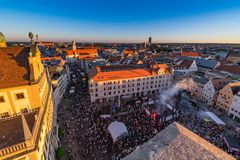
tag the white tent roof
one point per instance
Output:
(215, 118)
(117, 129)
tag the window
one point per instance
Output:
(96, 95)
(2, 99)
(24, 110)
(96, 89)
(5, 114)
(96, 84)
(20, 96)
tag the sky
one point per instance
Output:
(183, 21)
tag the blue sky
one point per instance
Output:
(122, 20)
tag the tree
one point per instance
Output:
(60, 132)
(59, 153)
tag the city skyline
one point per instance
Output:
(135, 21)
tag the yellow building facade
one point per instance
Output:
(27, 115)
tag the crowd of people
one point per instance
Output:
(205, 128)
(86, 133)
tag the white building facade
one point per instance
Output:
(133, 85)
(60, 85)
(235, 107)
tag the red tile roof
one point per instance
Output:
(98, 74)
(185, 63)
(229, 68)
(83, 51)
(51, 58)
(14, 70)
(190, 54)
(219, 83)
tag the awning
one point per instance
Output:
(117, 129)
(215, 118)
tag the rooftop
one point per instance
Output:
(210, 64)
(83, 51)
(190, 54)
(201, 80)
(229, 68)
(106, 73)
(177, 143)
(11, 129)
(14, 70)
(185, 63)
(219, 83)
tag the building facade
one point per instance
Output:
(28, 127)
(226, 94)
(197, 89)
(79, 54)
(235, 107)
(115, 82)
(211, 89)
(186, 66)
(60, 82)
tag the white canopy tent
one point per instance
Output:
(215, 118)
(117, 129)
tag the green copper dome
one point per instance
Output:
(2, 38)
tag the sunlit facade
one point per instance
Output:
(28, 127)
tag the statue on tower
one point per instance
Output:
(30, 35)
(37, 38)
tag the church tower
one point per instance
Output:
(3, 43)
(150, 41)
(36, 66)
(74, 47)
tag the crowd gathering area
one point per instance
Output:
(89, 135)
